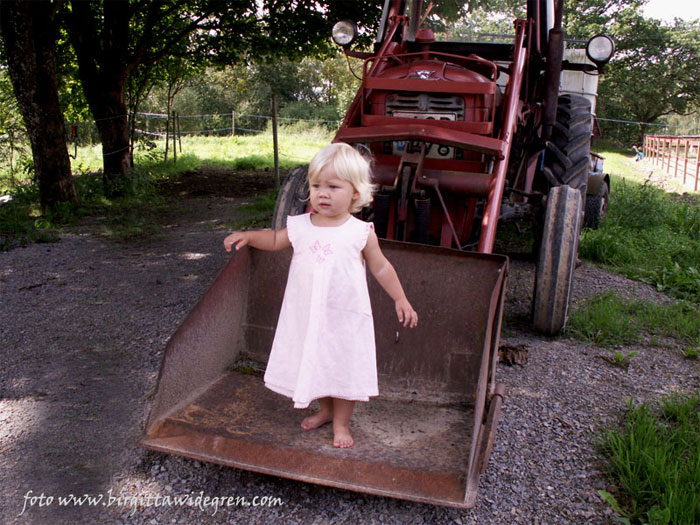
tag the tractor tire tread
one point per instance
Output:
(292, 198)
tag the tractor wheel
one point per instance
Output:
(567, 155)
(292, 198)
(596, 207)
(557, 259)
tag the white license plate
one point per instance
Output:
(434, 151)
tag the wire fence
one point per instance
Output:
(676, 155)
(217, 124)
(173, 127)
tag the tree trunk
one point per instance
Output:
(29, 34)
(102, 64)
(113, 127)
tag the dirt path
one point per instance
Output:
(83, 324)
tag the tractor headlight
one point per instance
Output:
(344, 32)
(600, 49)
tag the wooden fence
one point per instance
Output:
(677, 156)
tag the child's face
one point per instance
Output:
(330, 196)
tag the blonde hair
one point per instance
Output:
(348, 165)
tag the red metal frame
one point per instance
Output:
(511, 107)
(447, 176)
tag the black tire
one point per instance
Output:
(596, 207)
(293, 197)
(557, 260)
(567, 155)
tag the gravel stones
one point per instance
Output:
(83, 323)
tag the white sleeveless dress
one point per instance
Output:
(324, 342)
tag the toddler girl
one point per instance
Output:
(324, 344)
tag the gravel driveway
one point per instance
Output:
(83, 323)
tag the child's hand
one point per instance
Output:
(406, 314)
(237, 239)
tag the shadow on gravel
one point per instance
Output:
(81, 343)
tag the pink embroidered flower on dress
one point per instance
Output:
(319, 251)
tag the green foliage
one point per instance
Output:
(21, 221)
(654, 459)
(476, 21)
(647, 49)
(654, 72)
(586, 18)
(13, 136)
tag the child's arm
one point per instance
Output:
(268, 240)
(385, 274)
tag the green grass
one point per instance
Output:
(621, 359)
(619, 160)
(135, 214)
(649, 235)
(297, 144)
(257, 213)
(654, 458)
(608, 320)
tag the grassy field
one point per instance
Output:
(649, 234)
(243, 152)
(22, 220)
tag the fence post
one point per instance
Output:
(645, 146)
(179, 135)
(677, 157)
(663, 153)
(274, 140)
(233, 123)
(657, 147)
(174, 138)
(697, 165)
(685, 160)
(167, 137)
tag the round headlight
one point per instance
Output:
(600, 49)
(344, 32)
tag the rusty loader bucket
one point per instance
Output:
(426, 438)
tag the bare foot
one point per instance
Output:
(317, 420)
(342, 437)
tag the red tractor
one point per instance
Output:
(465, 135)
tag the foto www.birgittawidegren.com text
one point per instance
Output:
(208, 504)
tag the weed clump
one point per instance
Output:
(654, 461)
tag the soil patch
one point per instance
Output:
(216, 181)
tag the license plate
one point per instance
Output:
(434, 151)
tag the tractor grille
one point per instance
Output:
(424, 103)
